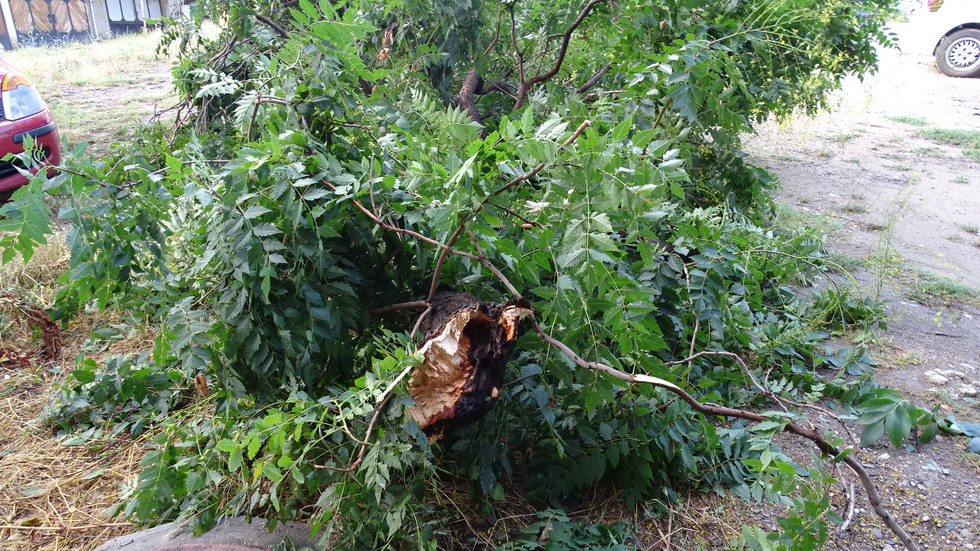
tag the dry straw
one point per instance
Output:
(52, 496)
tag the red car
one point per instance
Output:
(23, 113)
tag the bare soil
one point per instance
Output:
(106, 111)
(898, 207)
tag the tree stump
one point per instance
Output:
(466, 349)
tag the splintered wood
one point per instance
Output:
(466, 350)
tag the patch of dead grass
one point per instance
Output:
(52, 496)
(37, 278)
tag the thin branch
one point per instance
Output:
(850, 497)
(745, 370)
(273, 25)
(534, 172)
(496, 35)
(780, 401)
(400, 306)
(566, 38)
(697, 316)
(515, 215)
(486, 263)
(517, 51)
(384, 225)
(418, 322)
(259, 100)
(595, 79)
(367, 439)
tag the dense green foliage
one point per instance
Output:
(326, 157)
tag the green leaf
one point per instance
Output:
(265, 230)
(622, 129)
(898, 424)
(872, 433)
(254, 211)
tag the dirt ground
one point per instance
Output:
(898, 207)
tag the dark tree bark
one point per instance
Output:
(466, 98)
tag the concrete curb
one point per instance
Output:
(229, 534)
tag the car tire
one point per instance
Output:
(958, 54)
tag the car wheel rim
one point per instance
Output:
(964, 54)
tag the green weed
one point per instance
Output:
(969, 140)
(932, 289)
(930, 151)
(913, 121)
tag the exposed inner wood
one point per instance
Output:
(465, 352)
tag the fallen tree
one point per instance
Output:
(334, 167)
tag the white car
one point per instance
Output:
(950, 31)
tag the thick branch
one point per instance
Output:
(525, 86)
(465, 99)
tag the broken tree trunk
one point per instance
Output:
(466, 349)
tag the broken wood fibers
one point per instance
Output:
(466, 349)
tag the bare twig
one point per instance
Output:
(850, 497)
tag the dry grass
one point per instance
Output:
(86, 63)
(52, 496)
(37, 278)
